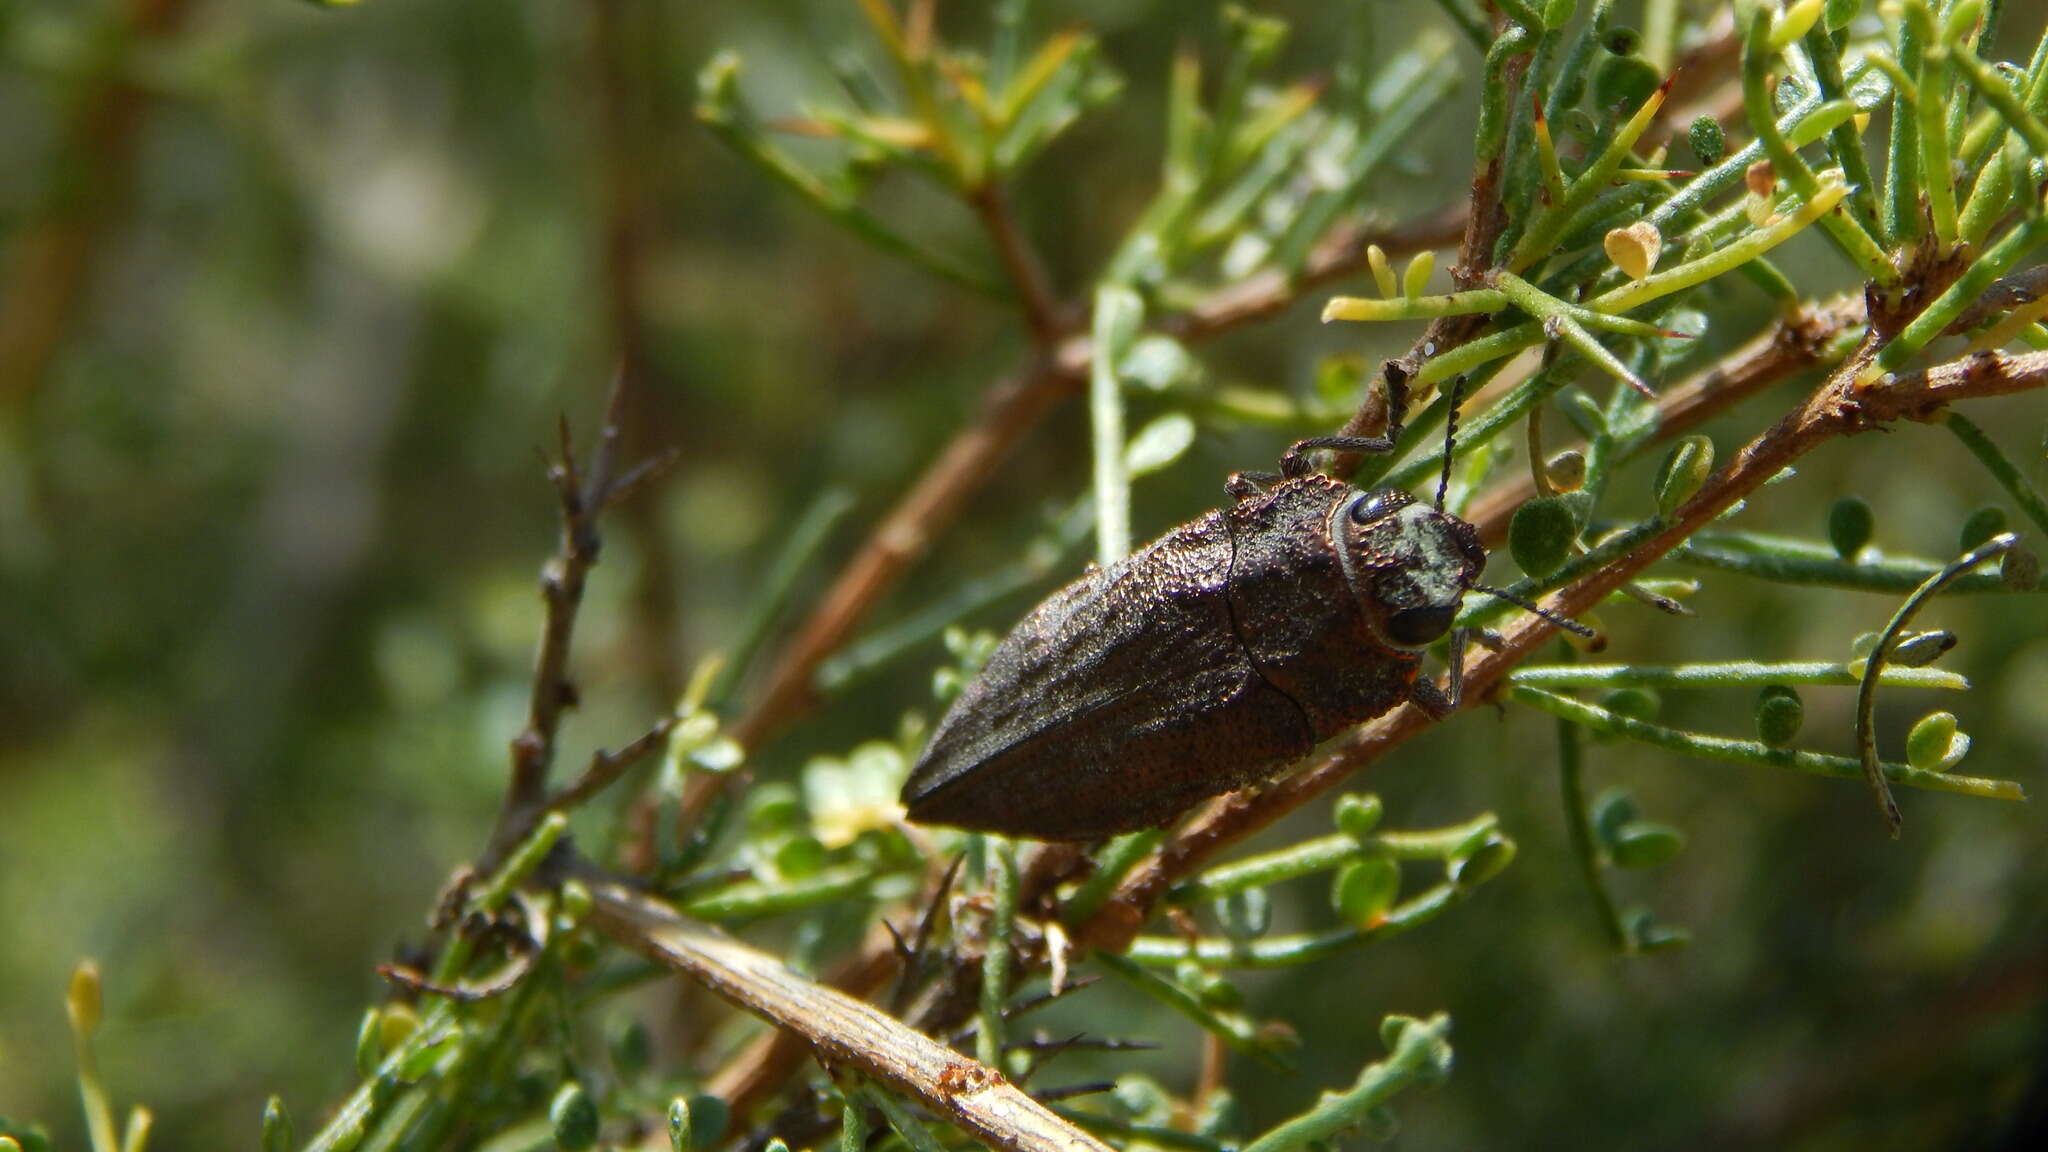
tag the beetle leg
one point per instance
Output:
(1242, 486)
(1293, 463)
(1441, 702)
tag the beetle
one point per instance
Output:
(1209, 659)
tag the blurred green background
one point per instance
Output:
(293, 300)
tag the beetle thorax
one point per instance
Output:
(1407, 564)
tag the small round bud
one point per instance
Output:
(1646, 935)
(396, 1023)
(1566, 471)
(1213, 989)
(680, 1138)
(1632, 703)
(1980, 526)
(574, 1116)
(773, 808)
(632, 1047)
(1935, 744)
(576, 901)
(1358, 815)
(1612, 809)
(277, 1126)
(1645, 844)
(1365, 889)
(1489, 861)
(1779, 714)
(1540, 535)
(84, 1000)
(1635, 249)
(369, 1043)
(709, 1118)
(1622, 40)
(1246, 915)
(1850, 524)
(800, 856)
(1685, 471)
(1919, 649)
(1794, 22)
(1707, 140)
(1624, 81)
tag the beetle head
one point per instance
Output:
(1407, 563)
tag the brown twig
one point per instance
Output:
(844, 1031)
(1043, 313)
(583, 495)
(605, 767)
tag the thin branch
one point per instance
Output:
(605, 767)
(844, 1031)
(1043, 312)
(583, 495)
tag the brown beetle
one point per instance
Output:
(1211, 658)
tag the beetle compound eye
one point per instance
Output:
(1373, 505)
(1415, 627)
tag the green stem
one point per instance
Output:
(1232, 1028)
(1421, 1056)
(1118, 857)
(1301, 948)
(1327, 852)
(1848, 235)
(1866, 692)
(1752, 752)
(751, 900)
(1578, 822)
(1364, 308)
(1798, 562)
(1995, 262)
(995, 957)
(1735, 674)
(2002, 469)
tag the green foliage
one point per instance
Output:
(274, 483)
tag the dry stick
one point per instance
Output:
(1012, 410)
(583, 497)
(758, 1070)
(1833, 411)
(1041, 306)
(846, 1032)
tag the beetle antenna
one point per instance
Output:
(1572, 626)
(1443, 484)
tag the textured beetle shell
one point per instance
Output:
(1224, 650)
